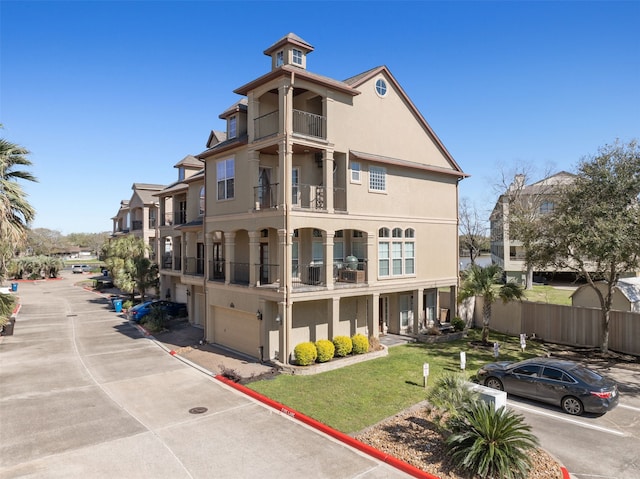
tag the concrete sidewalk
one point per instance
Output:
(85, 394)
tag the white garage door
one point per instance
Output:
(237, 330)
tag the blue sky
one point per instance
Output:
(106, 94)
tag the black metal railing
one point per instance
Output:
(179, 217)
(193, 266)
(216, 270)
(267, 273)
(266, 125)
(309, 124)
(239, 273)
(265, 196)
(309, 274)
(167, 219)
(136, 225)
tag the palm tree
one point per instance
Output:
(484, 282)
(15, 211)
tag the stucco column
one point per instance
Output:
(327, 179)
(334, 317)
(229, 254)
(374, 312)
(254, 244)
(371, 264)
(254, 173)
(453, 301)
(418, 310)
(328, 258)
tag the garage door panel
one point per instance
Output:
(237, 330)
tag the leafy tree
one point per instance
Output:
(472, 230)
(7, 305)
(131, 269)
(491, 443)
(594, 230)
(484, 282)
(449, 396)
(521, 206)
(15, 211)
(45, 241)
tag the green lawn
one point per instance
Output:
(354, 397)
(549, 294)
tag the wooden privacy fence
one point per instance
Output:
(557, 324)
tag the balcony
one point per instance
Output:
(313, 197)
(136, 225)
(179, 217)
(308, 275)
(267, 274)
(309, 124)
(193, 267)
(265, 196)
(167, 261)
(239, 273)
(167, 219)
(304, 123)
(350, 272)
(216, 270)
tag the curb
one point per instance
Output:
(293, 414)
(350, 441)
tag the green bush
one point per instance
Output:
(306, 353)
(360, 343)
(491, 443)
(449, 397)
(325, 349)
(343, 346)
(156, 320)
(128, 304)
(458, 324)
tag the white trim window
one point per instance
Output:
(297, 57)
(396, 252)
(201, 210)
(225, 177)
(377, 178)
(354, 166)
(232, 127)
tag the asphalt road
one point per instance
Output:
(592, 446)
(84, 394)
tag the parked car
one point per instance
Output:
(571, 386)
(173, 309)
(80, 268)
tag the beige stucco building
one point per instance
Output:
(330, 209)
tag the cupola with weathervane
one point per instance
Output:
(289, 50)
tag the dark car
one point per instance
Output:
(173, 309)
(573, 387)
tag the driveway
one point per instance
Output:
(85, 394)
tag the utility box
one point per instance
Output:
(489, 395)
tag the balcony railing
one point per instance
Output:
(136, 225)
(216, 270)
(266, 125)
(308, 274)
(167, 261)
(313, 197)
(179, 217)
(267, 273)
(309, 124)
(304, 123)
(177, 263)
(152, 223)
(193, 266)
(265, 196)
(239, 273)
(167, 219)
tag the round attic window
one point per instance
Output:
(381, 87)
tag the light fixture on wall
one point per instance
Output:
(259, 315)
(232, 305)
(278, 318)
(188, 292)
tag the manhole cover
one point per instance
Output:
(197, 410)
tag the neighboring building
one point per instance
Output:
(507, 251)
(139, 216)
(181, 238)
(331, 209)
(625, 297)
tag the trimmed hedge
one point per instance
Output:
(306, 353)
(360, 343)
(343, 346)
(325, 349)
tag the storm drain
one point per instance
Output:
(198, 410)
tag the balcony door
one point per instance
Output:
(295, 186)
(264, 188)
(264, 263)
